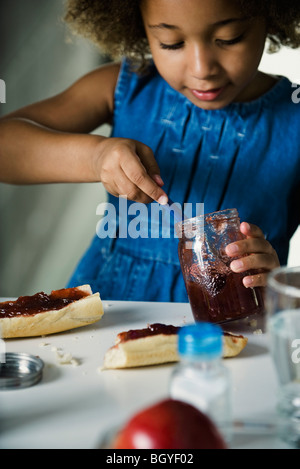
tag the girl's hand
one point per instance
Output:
(256, 254)
(127, 168)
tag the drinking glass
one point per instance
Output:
(283, 324)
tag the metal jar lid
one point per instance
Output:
(20, 370)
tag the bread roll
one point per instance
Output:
(22, 318)
(157, 345)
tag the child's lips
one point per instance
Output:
(209, 95)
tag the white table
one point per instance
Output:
(73, 406)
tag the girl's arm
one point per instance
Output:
(50, 141)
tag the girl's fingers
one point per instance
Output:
(253, 262)
(258, 280)
(148, 161)
(139, 172)
(122, 186)
(128, 168)
(157, 178)
(250, 230)
(254, 254)
(249, 246)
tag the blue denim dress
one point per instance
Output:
(245, 156)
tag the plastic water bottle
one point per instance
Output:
(200, 378)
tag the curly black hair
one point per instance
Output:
(116, 26)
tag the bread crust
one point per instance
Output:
(152, 350)
(159, 349)
(233, 344)
(82, 312)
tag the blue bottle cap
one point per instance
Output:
(200, 339)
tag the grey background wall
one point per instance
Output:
(45, 229)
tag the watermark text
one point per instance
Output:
(296, 353)
(2, 351)
(296, 93)
(2, 92)
(137, 220)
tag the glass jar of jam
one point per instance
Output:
(216, 293)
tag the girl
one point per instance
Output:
(192, 119)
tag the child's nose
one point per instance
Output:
(202, 63)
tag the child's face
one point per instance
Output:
(205, 49)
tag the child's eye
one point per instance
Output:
(230, 42)
(176, 46)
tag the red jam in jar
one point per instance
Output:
(216, 294)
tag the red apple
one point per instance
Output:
(169, 424)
